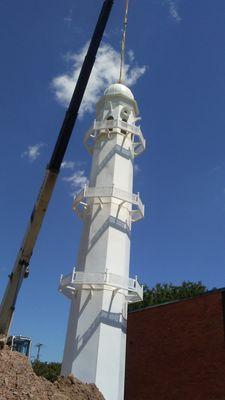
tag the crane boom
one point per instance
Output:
(21, 266)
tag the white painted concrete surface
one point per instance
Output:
(96, 334)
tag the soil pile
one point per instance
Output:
(19, 382)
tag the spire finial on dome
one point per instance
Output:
(123, 42)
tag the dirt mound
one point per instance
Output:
(19, 382)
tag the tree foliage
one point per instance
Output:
(50, 371)
(166, 292)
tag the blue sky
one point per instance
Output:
(176, 58)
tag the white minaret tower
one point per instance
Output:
(99, 287)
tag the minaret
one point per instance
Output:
(99, 287)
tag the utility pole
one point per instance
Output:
(39, 345)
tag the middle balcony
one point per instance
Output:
(104, 195)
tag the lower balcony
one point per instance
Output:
(69, 284)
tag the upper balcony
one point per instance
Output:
(113, 127)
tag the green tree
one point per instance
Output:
(166, 292)
(50, 371)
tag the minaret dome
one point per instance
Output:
(115, 98)
(119, 89)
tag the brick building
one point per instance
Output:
(176, 351)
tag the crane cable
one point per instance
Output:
(123, 42)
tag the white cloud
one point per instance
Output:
(173, 10)
(68, 17)
(33, 151)
(131, 56)
(137, 169)
(105, 72)
(68, 165)
(77, 181)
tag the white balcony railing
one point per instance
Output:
(102, 194)
(116, 126)
(69, 284)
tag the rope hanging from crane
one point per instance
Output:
(123, 42)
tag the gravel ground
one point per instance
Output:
(19, 382)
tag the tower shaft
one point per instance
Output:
(99, 287)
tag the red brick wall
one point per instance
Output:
(176, 351)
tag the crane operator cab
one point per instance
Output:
(20, 343)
